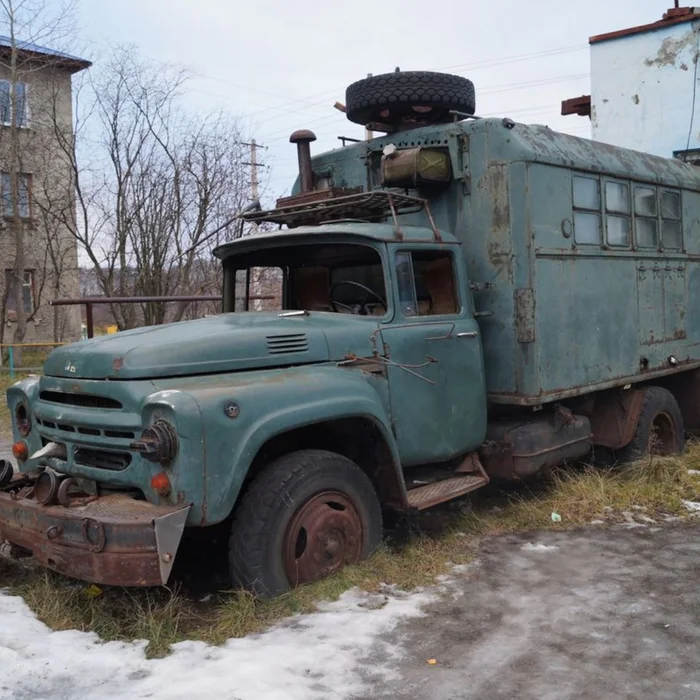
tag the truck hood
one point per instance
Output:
(223, 343)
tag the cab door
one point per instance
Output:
(434, 360)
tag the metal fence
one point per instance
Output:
(32, 355)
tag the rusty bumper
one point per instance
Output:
(113, 540)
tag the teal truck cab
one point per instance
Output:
(457, 300)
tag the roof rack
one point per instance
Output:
(373, 206)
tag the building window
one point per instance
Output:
(617, 214)
(586, 210)
(671, 232)
(646, 217)
(20, 103)
(27, 292)
(24, 195)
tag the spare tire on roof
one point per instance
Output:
(413, 97)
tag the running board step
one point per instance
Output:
(440, 491)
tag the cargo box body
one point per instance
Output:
(561, 316)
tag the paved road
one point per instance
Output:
(591, 615)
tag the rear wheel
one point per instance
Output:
(659, 427)
(304, 517)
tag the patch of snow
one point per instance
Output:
(694, 471)
(597, 522)
(646, 519)
(692, 506)
(630, 521)
(463, 568)
(539, 547)
(308, 657)
(636, 507)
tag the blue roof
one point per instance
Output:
(29, 47)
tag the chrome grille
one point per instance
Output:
(83, 400)
(119, 434)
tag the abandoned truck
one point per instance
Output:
(459, 299)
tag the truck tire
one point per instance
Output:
(302, 518)
(659, 428)
(414, 96)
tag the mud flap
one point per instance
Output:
(169, 529)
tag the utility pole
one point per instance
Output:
(254, 165)
(254, 283)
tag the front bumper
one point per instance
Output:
(113, 540)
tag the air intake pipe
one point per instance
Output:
(303, 139)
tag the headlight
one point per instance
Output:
(23, 419)
(158, 442)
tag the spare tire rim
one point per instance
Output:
(322, 536)
(662, 436)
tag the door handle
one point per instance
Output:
(468, 334)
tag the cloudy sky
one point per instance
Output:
(280, 66)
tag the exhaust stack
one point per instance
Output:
(303, 139)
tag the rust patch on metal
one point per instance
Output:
(614, 418)
(109, 541)
(525, 315)
(324, 534)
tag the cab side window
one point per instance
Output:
(427, 284)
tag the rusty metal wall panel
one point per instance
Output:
(525, 315)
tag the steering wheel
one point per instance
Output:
(362, 310)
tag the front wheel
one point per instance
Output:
(302, 518)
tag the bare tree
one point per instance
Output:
(157, 183)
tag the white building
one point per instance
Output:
(644, 86)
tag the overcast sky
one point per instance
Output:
(280, 66)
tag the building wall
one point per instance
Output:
(642, 90)
(51, 250)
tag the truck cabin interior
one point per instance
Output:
(341, 278)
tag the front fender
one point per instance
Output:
(274, 402)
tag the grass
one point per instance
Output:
(414, 556)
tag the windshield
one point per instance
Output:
(338, 278)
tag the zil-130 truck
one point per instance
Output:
(461, 299)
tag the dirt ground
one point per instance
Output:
(589, 615)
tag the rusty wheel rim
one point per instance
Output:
(322, 536)
(662, 436)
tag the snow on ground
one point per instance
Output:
(317, 656)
